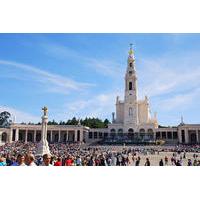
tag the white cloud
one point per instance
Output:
(169, 74)
(180, 101)
(51, 82)
(20, 116)
(100, 106)
(104, 67)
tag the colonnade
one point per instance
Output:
(54, 135)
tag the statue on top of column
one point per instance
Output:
(45, 109)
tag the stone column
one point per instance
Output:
(43, 147)
(17, 134)
(9, 137)
(66, 136)
(75, 136)
(197, 136)
(26, 134)
(34, 136)
(179, 136)
(51, 136)
(81, 135)
(186, 136)
(59, 136)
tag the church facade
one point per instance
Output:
(132, 118)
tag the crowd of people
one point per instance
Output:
(24, 154)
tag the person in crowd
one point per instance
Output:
(178, 163)
(46, 160)
(69, 161)
(30, 160)
(147, 163)
(58, 162)
(78, 161)
(189, 162)
(137, 163)
(161, 163)
(20, 160)
(8, 160)
(2, 161)
(166, 160)
(195, 162)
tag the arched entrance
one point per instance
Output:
(150, 134)
(142, 133)
(120, 132)
(130, 133)
(142, 130)
(4, 137)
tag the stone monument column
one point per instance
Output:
(43, 146)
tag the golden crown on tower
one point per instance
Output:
(131, 52)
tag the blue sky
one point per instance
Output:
(81, 74)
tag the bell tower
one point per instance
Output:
(130, 99)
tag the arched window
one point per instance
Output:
(131, 64)
(142, 130)
(130, 111)
(130, 86)
(112, 133)
(130, 130)
(130, 133)
(120, 132)
(112, 130)
(4, 137)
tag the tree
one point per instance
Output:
(5, 118)
(72, 121)
(52, 122)
(106, 122)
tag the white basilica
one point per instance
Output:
(132, 119)
(132, 115)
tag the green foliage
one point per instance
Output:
(52, 122)
(90, 122)
(95, 123)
